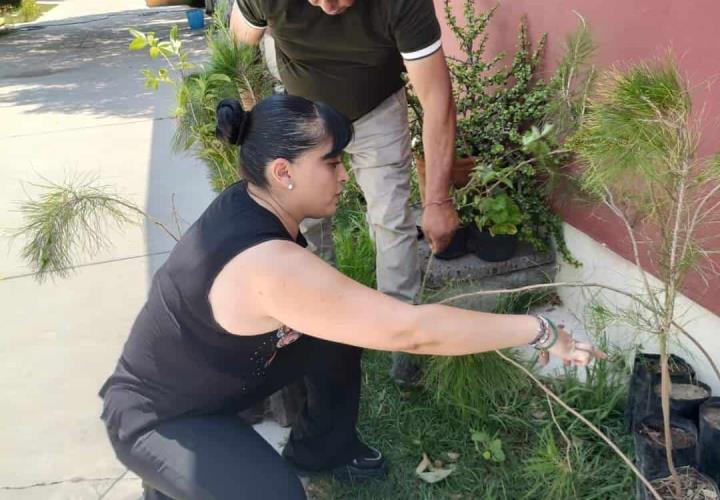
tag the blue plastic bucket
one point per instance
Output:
(196, 18)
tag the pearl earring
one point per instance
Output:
(290, 186)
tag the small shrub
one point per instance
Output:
(29, 10)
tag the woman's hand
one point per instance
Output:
(571, 351)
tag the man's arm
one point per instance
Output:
(431, 80)
(244, 32)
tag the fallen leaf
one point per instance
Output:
(424, 464)
(431, 476)
(435, 475)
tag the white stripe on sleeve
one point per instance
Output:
(419, 54)
(254, 26)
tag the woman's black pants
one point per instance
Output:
(219, 457)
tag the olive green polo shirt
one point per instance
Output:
(352, 61)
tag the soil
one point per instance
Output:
(685, 392)
(712, 416)
(653, 366)
(680, 438)
(694, 485)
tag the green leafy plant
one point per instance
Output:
(485, 201)
(489, 447)
(233, 70)
(171, 50)
(637, 149)
(499, 214)
(29, 10)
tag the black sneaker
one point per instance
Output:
(368, 464)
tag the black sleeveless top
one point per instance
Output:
(178, 360)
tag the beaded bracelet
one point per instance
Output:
(547, 334)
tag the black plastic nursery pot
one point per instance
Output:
(458, 246)
(494, 248)
(686, 396)
(709, 438)
(650, 445)
(640, 397)
(694, 484)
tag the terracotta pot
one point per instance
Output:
(459, 174)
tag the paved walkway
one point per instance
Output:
(72, 102)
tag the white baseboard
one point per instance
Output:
(602, 265)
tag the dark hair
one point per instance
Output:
(281, 126)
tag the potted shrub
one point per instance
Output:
(497, 105)
(638, 127)
(497, 222)
(489, 217)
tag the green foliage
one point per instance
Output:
(634, 130)
(481, 384)
(573, 465)
(548, 472)
(233, 70)
(499, 214)
(497, 106)
(355, 251)
(571, 82)
(637, 145)
(171, 50)
(354, 248)
(473, 385)
(29, 10)
(67, 220)
(485, 201)
(489, 447)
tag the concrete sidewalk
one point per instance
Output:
(72, 101)
(70, 9)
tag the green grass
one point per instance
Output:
(439, 417)
(405, 424)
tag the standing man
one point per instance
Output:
(351, 54)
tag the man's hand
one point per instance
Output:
(439, 223)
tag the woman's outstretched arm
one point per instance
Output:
(283, 281)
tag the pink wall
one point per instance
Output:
(626, 31)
